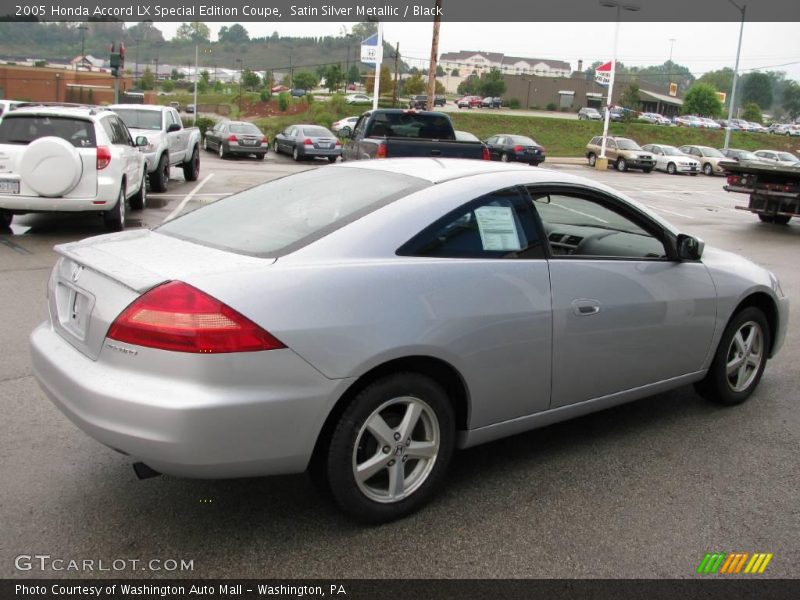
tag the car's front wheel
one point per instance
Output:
(390, 448)
(159, 179)
(708, 169)
(592, 160)
(622, 165)
(672, 169)
(740, 359)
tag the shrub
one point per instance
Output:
(204, 124)
(283, 101)
(324, 118)
(551, 106)
(265, 95)
(514, 103)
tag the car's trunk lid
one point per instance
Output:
(96, 279)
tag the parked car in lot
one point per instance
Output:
(786, 159)
(469, 102)
(358, 99)
(622, 154)
(492, 102)
(671, 160)
(421, 102)
(190, 109)
(737, 154)
(588, 113)
(298, 92)
(345, 126)
(688, 121)
(709, 158)
(515, 148)
(307, 141)
(61, 158)
(353, 320)
(169, 142)
(236, 137)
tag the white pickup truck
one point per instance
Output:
(169, 142)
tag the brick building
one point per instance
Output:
(42, 84)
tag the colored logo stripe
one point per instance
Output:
(711, 563)
(733, 563)
(758, 563)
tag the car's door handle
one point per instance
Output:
(585, 307)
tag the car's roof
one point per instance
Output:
(438, 170)
(154, 107)
(85, 112)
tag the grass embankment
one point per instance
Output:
(566, 137)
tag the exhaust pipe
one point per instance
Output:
(143, 471)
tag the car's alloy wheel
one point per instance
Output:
(740, 359)
(295, 154)
(275, 147)
(622, 166)
(671, 169)
(504, 157)
(708, 169)
(222, 153)
(390, 448)
(592, 160)
(191, 169)
(115, 218)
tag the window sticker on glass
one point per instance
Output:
(497, 228)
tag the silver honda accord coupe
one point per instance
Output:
(361, 321)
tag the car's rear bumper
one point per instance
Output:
(319, 151)
(236, 149)
(106, 199)
(207, 416)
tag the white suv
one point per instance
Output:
(69, 158)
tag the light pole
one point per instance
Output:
(732, 104)
(671, 44)
(82, 29)
(241, 67)
(603, 163)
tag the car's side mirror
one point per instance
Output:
(690, 248)
(141, 141)
(173, 127)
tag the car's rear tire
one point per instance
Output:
(622, 165)
(222, 153)
(592, 159)
(261, 156)
(781, 219)
(740, 359)
(504, 157)
(275, 147)
(114, 219)
(205, 145)
(191, 169)
(708, 169)
(139, 200)
(332, 159)
(390, 449)
(159, 179)
(296, 154)
(6, 216)
(672, 169)
(766, 218)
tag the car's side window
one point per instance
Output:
(584, 226)
(497, 225)
(611, 144)
(361, 126)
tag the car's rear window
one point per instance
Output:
(245, 128)
(286, 214)
(521, 139)
(24, 129)
(140, 119)
(413, 125)
(317, 132)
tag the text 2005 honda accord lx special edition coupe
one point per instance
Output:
(361, 321)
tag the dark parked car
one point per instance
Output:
(236, 137)
(738, 155)
(307, 141)
(516, 148)
(421, 102)
(298, 93)
(490, 102)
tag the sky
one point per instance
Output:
(701, 47)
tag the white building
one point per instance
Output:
(468, 61)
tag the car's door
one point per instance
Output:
(129, 155)
(177, 140)
(213, 136)
(626, 313)
(491, 144)
(492, 297)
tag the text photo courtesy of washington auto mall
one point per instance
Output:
(402, 298)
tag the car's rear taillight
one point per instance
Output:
(103, 157)
(486, 155)
(265, 140)
(518, 148)
(381, 150)
(176, 316)
(308, 142)
(233, 138)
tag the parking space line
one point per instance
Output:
(188, 197)
(671, 212)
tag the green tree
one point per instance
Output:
(250, 80)
(492, 83)
(722, 80)
(439, 88)
(196, 31)
(168, 85)
(218, 86)
(791, 99)
(701, 99)
(353, 75)
(235, 34)
(757, 87)
(752, 113)
(454, 73)
(305, 80)
(471, 85)
(145, 32)
(630, 97)
(147, 81)
(334, 75)
(414, 85)
(440, 72)
(365, 29)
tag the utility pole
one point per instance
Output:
(83, 29)
(241, 67)
(396, 72)
(732, 105)
(434, 55)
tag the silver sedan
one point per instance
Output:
(364, 320)
(672, 160)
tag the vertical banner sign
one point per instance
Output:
(372, 54)
(602, 74)
(673, 89)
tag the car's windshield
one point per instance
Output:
(788, 157)
(286, 214)
(712, 152)
(140, 119)
(671, 151)
(245, 128)
(625, 144)
(23, 129)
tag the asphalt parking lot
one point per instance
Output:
(642, 490)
